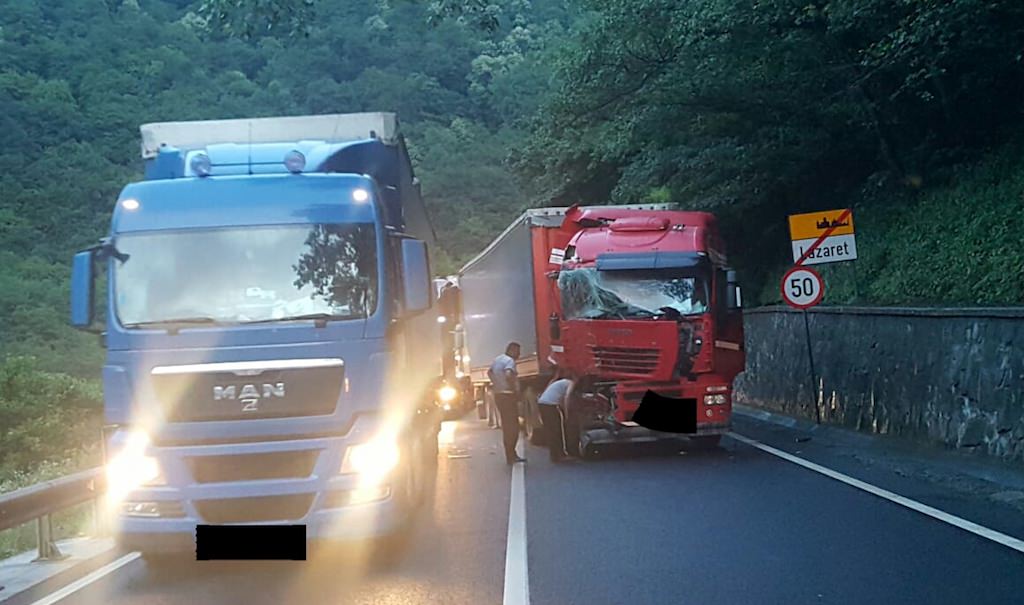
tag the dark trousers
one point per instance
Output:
(554, 433)
(508, 408)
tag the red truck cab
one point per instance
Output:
(644, 300)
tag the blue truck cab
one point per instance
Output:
(270, 331)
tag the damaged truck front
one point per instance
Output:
(646, 302)
(627, 298)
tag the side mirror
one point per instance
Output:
(415, 276)
(733, 297)
(460, 337)
(82, 285)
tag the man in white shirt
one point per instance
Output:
(549, 404)
(505, 386)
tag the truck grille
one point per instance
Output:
(255, 510)
(626, 360)
(280, 393)
(253, 467)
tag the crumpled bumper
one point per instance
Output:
(630, 432)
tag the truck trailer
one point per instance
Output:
(627, 299)
(270, 332)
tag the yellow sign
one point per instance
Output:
(814, 224)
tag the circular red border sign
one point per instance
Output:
(821, 287)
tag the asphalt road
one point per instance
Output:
(735, 525)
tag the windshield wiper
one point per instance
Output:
(325, 317)
(173, 323)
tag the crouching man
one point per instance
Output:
(549, 404)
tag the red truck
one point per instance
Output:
(627, 298)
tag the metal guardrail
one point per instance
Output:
(38, 502)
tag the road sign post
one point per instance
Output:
(802, 288)
(816, 238)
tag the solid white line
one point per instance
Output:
(924, 509)
(517, 578)
(86, 580)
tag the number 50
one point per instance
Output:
(802, 286)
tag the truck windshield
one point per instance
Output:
(250, 274)
(591, 294)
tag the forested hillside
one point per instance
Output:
(908, 110)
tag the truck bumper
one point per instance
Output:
(348, 524)
(331, 506)
(634, 433)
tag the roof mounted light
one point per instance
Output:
(360, 195)
(200, 164)
(294, 161)
(130, 204)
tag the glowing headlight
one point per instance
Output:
(131, 467)
(715, 399)
(447, 393)
(373, 459)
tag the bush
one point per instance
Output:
(49, 420)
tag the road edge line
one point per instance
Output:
(924, 509)
(87, 579)
(517, 576)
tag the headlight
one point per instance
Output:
(373, 459)
(131, 467)
(715, 399)
(447, 393)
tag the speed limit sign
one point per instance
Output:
(802, 287)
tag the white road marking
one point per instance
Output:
(517, 578)
(88, 579)
(924, 509)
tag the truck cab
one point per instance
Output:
(646, 301)
(267, 295)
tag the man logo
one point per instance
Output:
(249, 394)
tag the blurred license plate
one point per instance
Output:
(250, 542)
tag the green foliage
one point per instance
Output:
(47, 417)
(959, 241)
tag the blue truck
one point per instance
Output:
(271, 333)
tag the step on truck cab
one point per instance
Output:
(626, 298)
(270, 332)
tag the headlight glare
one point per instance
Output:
(447, 393)
(131, 467)
(373, 460)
